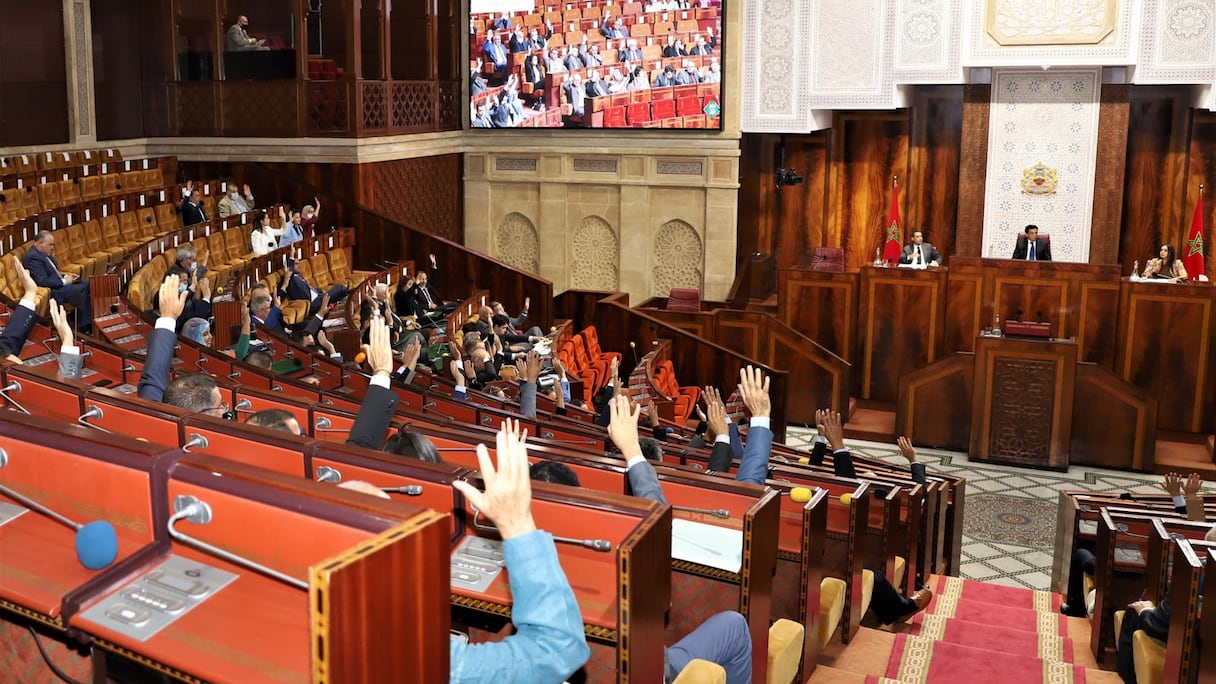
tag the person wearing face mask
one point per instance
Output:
(239, 40)
(309, 216)
(235, 202)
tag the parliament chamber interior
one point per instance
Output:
(880, 348)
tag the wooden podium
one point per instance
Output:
(1022, 401)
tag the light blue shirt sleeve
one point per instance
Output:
(549, 643)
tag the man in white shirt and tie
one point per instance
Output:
(920, 254)
(1031, 247)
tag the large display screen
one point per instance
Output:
(595, 64)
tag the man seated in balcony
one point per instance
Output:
(42, 267)
(239, 40)
(192, 206)
(423, 300)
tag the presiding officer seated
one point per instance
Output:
(40, 262)
(1167, 266)
(1031, 247)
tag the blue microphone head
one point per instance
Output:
(96, 545)
(670, 430)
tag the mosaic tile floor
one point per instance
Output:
(1010, 520)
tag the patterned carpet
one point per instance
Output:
(1010, 521)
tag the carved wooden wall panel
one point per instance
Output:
(867, 150)
(425, 192)
(1021, 429)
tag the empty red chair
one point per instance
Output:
(688, 106)
(662, 109)
(614, 117)
(639, 113)
(684, 299)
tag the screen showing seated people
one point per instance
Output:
(595, 64)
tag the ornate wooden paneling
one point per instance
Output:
(868, 149)
(33, 90)
(901, 324)
(1108, 174)
(821, 306)
(964, 309)
(973, 170)
(1154, 174)
(1114, 423)
(1166, 347)
(1022, 401)
(932, 186)
(425, 192)
(934, 406)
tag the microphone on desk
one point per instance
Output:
(800, 494)
(633, 346)
(581, 442)
(715, 512)
(428, 407)
(408, 490)
(602, 545)
(96, 542)
(47, 343)
(193, 510)
(323, 424)
(15, 388)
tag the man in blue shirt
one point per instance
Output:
(548, 644)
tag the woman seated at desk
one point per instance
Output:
(1167, 266)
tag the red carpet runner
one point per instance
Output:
(984, 633)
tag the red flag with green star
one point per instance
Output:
(894, 245)
(1192, 251)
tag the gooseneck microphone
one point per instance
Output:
(198, 512)
(96, 542)
(408, 490)
(715, 512)
(601, 545)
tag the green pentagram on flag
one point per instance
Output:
(1196, 246)
(893, 232)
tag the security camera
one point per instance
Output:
(788, 177)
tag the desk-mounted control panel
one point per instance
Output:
(476, 563)
(158, 597)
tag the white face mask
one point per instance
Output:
(235, 194)
(308, 214)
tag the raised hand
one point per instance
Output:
(245, 190)
(530, 368)
(172, 299)
(753, 386)
(623, 425)
(652, 414)
(906, 449)
(1172, 484)
(457, 371)
(1192, 485)
(378, 350)
(60, 318)
(507, 499)
(413, 350)
(831, 427)
(27, 281)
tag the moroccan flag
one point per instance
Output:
(894, 244)
(1193, 250)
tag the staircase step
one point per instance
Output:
(924, 660)
(998, 638)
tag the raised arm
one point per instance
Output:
(71, 363)
(721, 455)
(21, 322)
(376, 412)
(833, 431)
(623, 429)
(155, 377)
(530, 371)
(549, 643)
(909, 452)
(753, 386)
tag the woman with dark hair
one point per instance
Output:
(1166, 267)
(638, 80)
(264, 237)
(412, 445)
(534, 72)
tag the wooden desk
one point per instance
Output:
(1022, 400)
(1165, 345)
(900, 326)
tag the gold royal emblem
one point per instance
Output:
(1039, 180)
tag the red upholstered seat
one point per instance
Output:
(688, 106)
(684, 299)
(614, 117)
(829, 259)
(662, 109)
(638, 113)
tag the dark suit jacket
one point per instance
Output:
(417, 301)
(1042, 249)
(43, 269)
(155, 377)
(644, 482)
(375, 415)
(192, 214)
(17, 331)
(929, 251)
(663, 80)
(596, 88)
(673, 51)
(296, 288)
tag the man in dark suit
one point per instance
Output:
(666, 78)
(496, 54)
(575, 95)
(40, 262)
(596, 85)
(192, 209)
(613, 29)
(574, 59)
(1031, 247)
(630, 52)
(380, 402)
(920, 253)
(424, 301)
(292, 286)
(196, 393)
